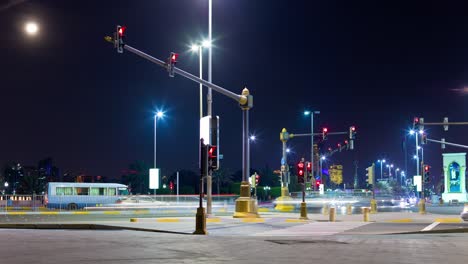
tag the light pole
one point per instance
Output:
(159, 114)
(381, 171)
(312, 113)
(6, 200)
(199, 48)
(266, 188)
(412, 132)
(320, 172)
(396, 174)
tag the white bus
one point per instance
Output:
(77, 195)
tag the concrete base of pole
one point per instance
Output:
(349, 209)
(366, 214)
(284, 203)
(332, 215)
(246, 207)
(373, 206)
(303, 212)
(422, 206)
(200, 222)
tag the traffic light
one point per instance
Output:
(346, 144)
(171, 62)
(171, 186)
(212, 157)
(257, 179)
(339, 147)
(352, 132)
(309, 170)
(203, 158)
(119, 38)
(300, 172)
(317, 183)
(370, 175)
(415, 122)
(423, 138)
(253, 181)
(324, 133)
(427, 173)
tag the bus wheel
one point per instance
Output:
(72, 207)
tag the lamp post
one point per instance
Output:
(396, 174)
(381, 171)
(320, 172)
(412, 132)
(159, 114)
(312, 113)
(6, 200)
(199, 48)
(266, 188)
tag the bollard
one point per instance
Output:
(422, 206)
(366, 214)
(325, 209)
(349, 209)
(331, 217)
(373, 208)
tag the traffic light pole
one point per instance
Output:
(447, 143)
(245, 100)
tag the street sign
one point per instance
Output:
(154, 179)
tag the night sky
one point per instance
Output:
(67, 94)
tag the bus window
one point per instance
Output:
(123, 191)
(64, 191)
(82, 191)
(98, 191)
(111, 192)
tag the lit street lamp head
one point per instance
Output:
(253, 138)
(31, 28)
(159, 114)
(306, 113)
(411, 132)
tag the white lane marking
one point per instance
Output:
(431, 226)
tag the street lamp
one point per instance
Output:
(158, 115)
(396, 174)
(199, 48)
(381, 172)
(31, 28)
(412, 132)
(312, 113)
(253, 138)
(322, 158)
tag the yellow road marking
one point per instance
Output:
(80, 213)
(141, 212)
(213, 220)
(49, 213)
(295, 221)
(167, 220)
(404, 220)
(263, 209)
(112, 212)
(16, 213)
(253, 220)
(448, 220)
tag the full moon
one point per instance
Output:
(31, 28)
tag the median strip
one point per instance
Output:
(448, 220)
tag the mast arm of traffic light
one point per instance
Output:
(242, 99)
(447, 143)
(317, 134)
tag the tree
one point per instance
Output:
(137, 177)
(222, 177)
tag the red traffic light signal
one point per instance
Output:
(171, 185)
(212, 157)
(121, 31)
(257, 179)
(174, 57)
(317, 183)
(426, 168)
(300, 172)
(324, 133)
(309, 166)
